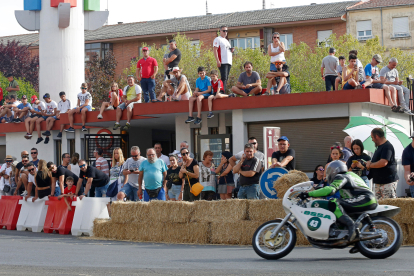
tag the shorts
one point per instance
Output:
(376, 85)
(54, 117)
(88, 107)
(174, 192)
(122, 106)
(44, 117)
(101, 191)
(248, 90)
(161, 196)
(8, 119)
(285, 89)
(35, 116)
(43, 193)
(225, 188)
(130, 191)
(207, 95)
(221, 92)
(347, 86)
(386, 190)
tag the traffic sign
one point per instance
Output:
(267, 178)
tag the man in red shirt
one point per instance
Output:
(1, 96)
(147, 69)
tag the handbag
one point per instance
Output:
(6, 188)
(169, 184)
(196, 188)
(113, 187)
(153, 193)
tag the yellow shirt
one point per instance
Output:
(346, 73)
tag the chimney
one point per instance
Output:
(120, 22)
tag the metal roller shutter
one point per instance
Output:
(311, 139)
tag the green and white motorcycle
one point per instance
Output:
(378, 237)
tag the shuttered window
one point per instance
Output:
(364, 29)
(311, 139)
(323, 37)
(400, 27)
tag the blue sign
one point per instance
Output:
(268, 178)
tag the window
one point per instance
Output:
(196, 43)
(58, 152)
(248, 42)
(323, 37)
(364, 30)
(287, 39)
(400, 27)
(101, 49)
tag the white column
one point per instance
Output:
(61, 53)
(239, 129)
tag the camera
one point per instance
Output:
(412, 178)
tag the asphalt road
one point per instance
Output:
(26, 253)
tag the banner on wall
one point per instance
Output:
(270, 136)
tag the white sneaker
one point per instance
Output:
(24, 193)
(110, 108)
(407, 111)
(100, 116)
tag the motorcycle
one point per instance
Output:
(379, 236)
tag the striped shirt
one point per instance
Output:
(102, 165)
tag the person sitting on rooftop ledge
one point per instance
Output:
(249, 83)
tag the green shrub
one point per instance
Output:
(26, 88)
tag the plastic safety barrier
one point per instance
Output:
(87, 210)
(32, 215)
(9, 211)
(58, 216)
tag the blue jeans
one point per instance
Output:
(330, 82)
(101, 191)
(366, 180)
(161, 196)
(130, 191)
(148, 87)
(412, 191)
(58, 192)
(249, 192)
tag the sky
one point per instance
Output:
(127, 11)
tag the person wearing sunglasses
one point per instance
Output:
(279, 79)
(190, 172)
(258, 154)
(5, 170)
(223, 52)
(147, 69)
(276, 51)
(94, 177)
(34, 153)
(284, 157)
(84, 105)
(131, 172)
(317, 178)
(22, 174)
(133, 94)
(31, 182)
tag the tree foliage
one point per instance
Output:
(17, 60)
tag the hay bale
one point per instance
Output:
(170, 211)
(265, 210)
(101, 228)
(407, 209)
(240, 233)
(409, 239)
(195, 232)
(220, 210)
(283, 184)
(127, 212)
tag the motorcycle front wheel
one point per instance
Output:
(386, 246)
(277, 247)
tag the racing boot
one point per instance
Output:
(350, 224)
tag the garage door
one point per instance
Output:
(311, 139)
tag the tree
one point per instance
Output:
(17, 60)
(100, 74)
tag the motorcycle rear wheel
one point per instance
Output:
(386, 246)
(278, 247)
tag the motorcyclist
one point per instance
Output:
(355, 195)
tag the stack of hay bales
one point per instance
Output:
(284, 183)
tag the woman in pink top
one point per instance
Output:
(115, 97)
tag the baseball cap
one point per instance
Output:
(145, 49)
(24, 97)
(378, 58)
(175, 69)
(33, 99)
(45, 96)
(283, 138)
(332, 50)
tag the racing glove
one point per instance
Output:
(303, 195)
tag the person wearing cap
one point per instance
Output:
(284, 157)
(7, 110)
(389, 76)
(63, 107)
(147, 69)
(280, 78)
(133, 94)
(36, 112)
(84, 105)
(249, 83)
(13, 87)
(101, 163)
(372, 72)
(407, 161)
(173, 58)
(330, 64)
(5, 170)
(49, 111)
(178, 80)
(21, 112)
(223, 53)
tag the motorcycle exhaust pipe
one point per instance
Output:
(346, 243)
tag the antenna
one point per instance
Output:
(264, 4)
(107, 9)
(206, 8)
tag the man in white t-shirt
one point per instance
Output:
(31, 184)
(84, 105)
(5, 170)
(63, 107)
(223, 52)
(50, 111)
(36, 112)
(133, 95)
(158, 151)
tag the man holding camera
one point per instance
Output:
(408, 163)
